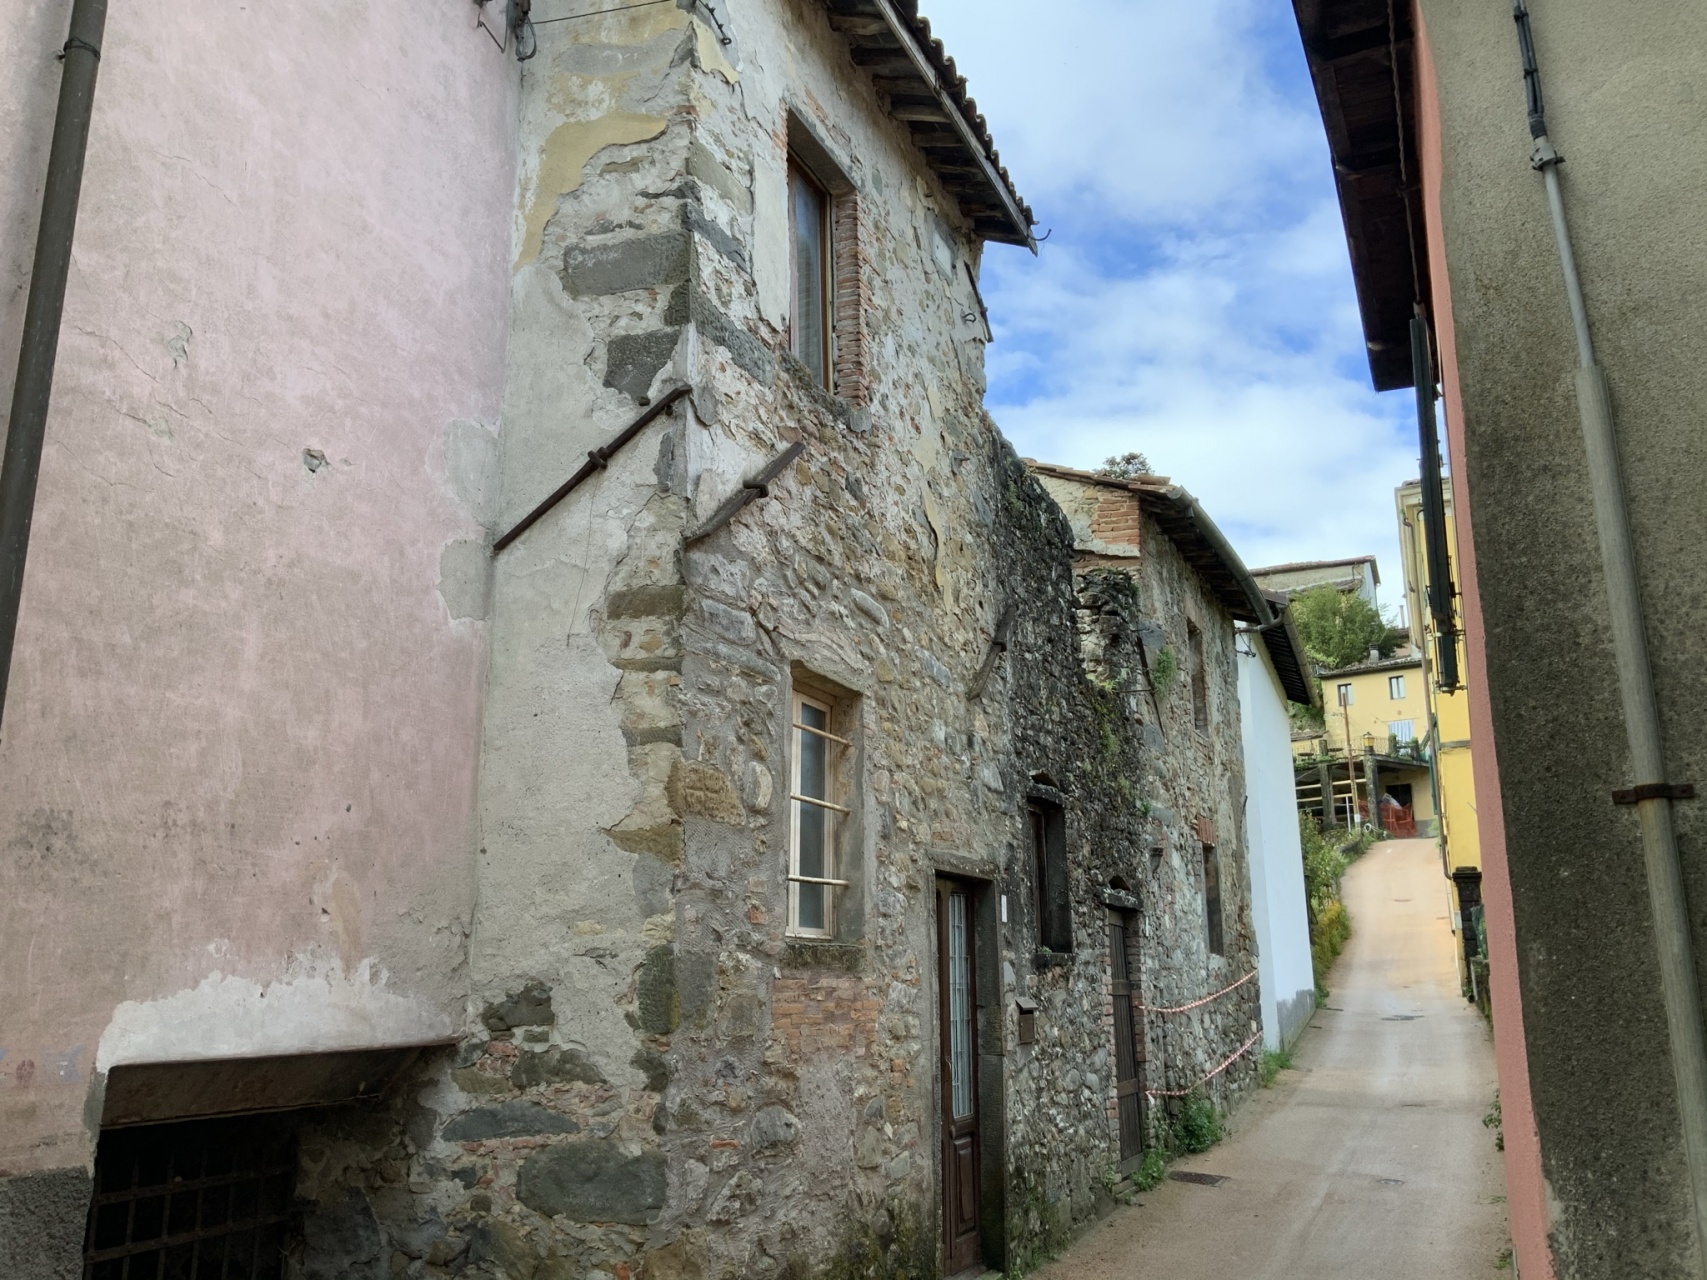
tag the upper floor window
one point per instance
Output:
(1050, 906)
(1395, 687)
(1345, 695)
(817, 784)
(1212, 922)
(1199, 678)
(810, 326)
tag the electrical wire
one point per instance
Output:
(596, 13)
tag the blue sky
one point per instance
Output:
(1194, 299)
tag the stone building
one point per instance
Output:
(1141, 526)
(814, 886)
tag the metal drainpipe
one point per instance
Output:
(27, 423)
(1652, 794)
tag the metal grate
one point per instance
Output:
(204, 1200)
(1198, 1179)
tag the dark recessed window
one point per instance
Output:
(200, 1198)
(1050, 906)
(1199, 678)
(1212, 900)
(809, 232)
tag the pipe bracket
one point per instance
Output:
(1655, 791)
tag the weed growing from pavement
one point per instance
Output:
(1149, 1175)
(1273, 1063)
(1503, 1261)
(1198, 1126)
(1495, 1121)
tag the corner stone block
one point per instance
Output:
(554, 1066)
(593, 1182)
(646, 262)
(508, 1120)
(633, 360)
(655, 992)
(666, 601)
(703, 789)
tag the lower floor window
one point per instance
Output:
(209, 1199)
(815, 817)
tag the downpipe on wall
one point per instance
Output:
(26, 426)
(1653, 794)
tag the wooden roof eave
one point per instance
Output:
(1360, 55)
(884, 41)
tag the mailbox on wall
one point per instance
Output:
(1027, 1019)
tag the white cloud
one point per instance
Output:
(1163, 107)
(1195, 301)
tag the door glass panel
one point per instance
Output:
(959, 1005)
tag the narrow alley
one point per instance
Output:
(1369, 1158)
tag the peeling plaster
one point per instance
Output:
(710, 53)
(316, 1007)
(563, 160)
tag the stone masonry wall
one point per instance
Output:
(657, 1080)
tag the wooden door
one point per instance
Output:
(1128, 1036)
(958, 1013)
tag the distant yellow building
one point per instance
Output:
(1376, 714)
(1448, 722)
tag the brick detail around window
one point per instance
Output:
(1116, 518)
(850, 266)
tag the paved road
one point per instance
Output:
(1367, 1162)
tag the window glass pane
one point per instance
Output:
(959, 1006)
(807, 331)
(812, 849)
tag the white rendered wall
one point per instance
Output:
(1276, 857)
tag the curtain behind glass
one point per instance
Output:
(807, 330)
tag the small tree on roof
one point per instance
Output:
(1127, 466)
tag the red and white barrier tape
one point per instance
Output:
(1206, 999)
(1186, 1093)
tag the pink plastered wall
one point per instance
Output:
(239, 753)
(1525, 1187)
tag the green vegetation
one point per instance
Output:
(1324, 866)
(1127, 466)
(1495, 1121)
(1325, 861)
(1327, 940)
(1273, 1063)
(1167, 667)
(1502, 1261)
(1198, 1125)
(1149, 1175)
(1340, 628)
(1310, 719)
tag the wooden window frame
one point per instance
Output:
(799, 171)
(1396, 688)
(1051, 895)
(1343, 693)
(836, 812)
(1214, 917)
(1197, 652)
